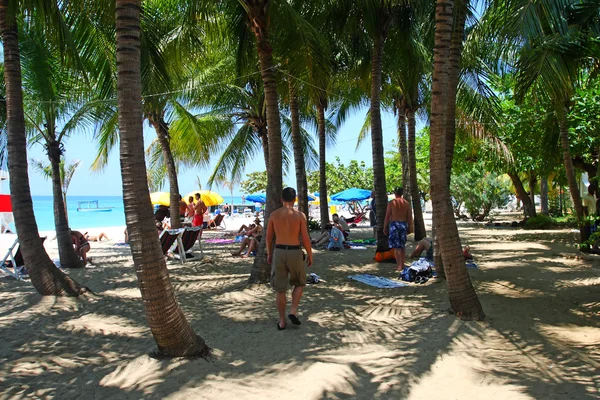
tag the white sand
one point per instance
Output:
(540, 340)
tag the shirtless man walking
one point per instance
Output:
(398, 224)
(199, 209)
(287, 226)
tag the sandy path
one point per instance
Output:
(540, 340)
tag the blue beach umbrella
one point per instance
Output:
(257, 198)
(352, 194)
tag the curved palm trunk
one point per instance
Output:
(172, 333)
(404, 156)
(66, 252)
(45, 277)
(377, 142)
(419, 222)
(544, 195)
(301, 181)
(323, 204)
(259, 23)
(162, 133)
(570, 170)
(532, 184)
(454, 57)
(265, 145)
(463, 298)
(528, 206)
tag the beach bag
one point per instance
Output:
(409, 274)
(384, 256)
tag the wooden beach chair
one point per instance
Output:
(167, 240)
(13, 263)
(217, 222)
(189, 237)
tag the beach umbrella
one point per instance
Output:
(352, 194)
(257, 198)
(161, 198)
(209, 198)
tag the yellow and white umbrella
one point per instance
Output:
(161, 198)
(209, 198)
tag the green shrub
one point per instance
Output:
(540, 222)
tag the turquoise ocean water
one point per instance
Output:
(44, 212)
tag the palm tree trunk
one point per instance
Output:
(532, 184)
(301, 180)
(404, 155)
(172, 333)
(454, 57)
(544, 195)
(419, 222)
(66, 252)
(162, 133)
(528, 206)
(264, 140)
(45, 277)
(323, 204)
(463, 298)
(570, 170)
(259, 23)
(377, 142)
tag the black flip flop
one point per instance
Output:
(294, 319)
(279, 328)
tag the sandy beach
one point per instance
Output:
(540, 339)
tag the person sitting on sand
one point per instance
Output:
(467, 253)
(341, 224)
(82, 246)
(426, 244)
(96, 238)
(245, 229)
(331, 239)
(322, 240)
(251, 241)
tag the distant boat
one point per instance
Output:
(91, 206)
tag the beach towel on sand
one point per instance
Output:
(219, 241)
(377, 281)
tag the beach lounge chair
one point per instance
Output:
(188, 238)
(167, 240)
(217, 222)
(13, 264)
(356, 218)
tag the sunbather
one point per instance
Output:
(424, 245)
(251, 241)
(96, 238)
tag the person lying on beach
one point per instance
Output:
(81, 245)
(96, 238)
(424, 245)
(322, 240)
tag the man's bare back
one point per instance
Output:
(400, 211)
(287, 225)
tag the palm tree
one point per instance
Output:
(45, 277)
(171, 331)
(67, 170)
(299, 164)
(463, 298)
(53, 97)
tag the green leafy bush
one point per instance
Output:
(479, 191)
(313, 224)
(540, 222)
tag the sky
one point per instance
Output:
(80, 146)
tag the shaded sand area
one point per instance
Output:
(541, 339)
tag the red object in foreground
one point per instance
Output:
(5, 203)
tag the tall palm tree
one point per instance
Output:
(463, 298)
(168, 39)
(172, 333)
(45, 277)
(299, 164)
(53, 93)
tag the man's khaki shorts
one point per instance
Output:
(288, 265)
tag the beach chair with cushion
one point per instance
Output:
(357, 218)
(189, 237)
(167, 239)
(13, 263)
(217, 222)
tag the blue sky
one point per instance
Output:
(108, 182)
